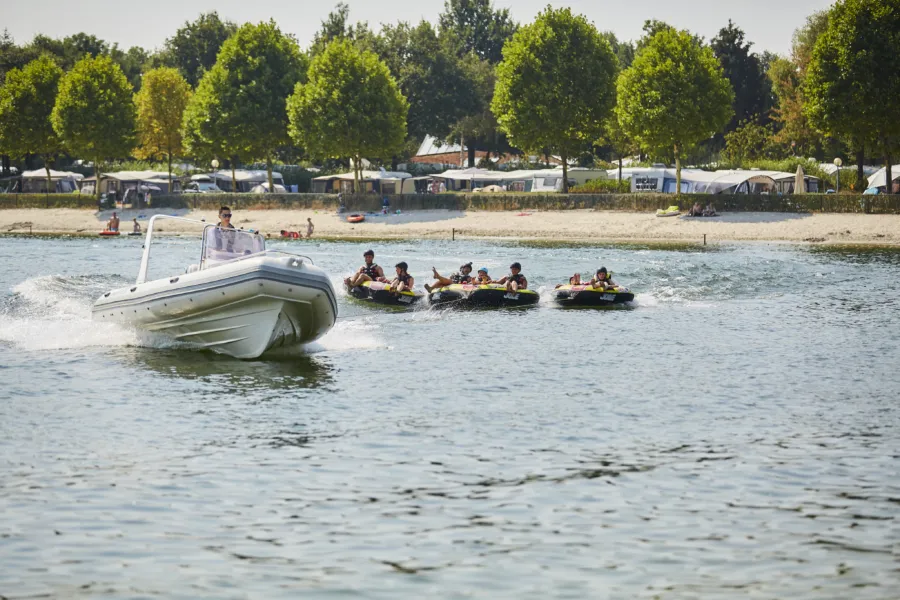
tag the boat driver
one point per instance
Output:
(464, 276)
(515, 281)
(403, 282)
(225, 218)
(602, 280)
(368, 272)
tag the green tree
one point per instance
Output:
(194, 47)
(94, 114)
(349, 107)
(475, 26)
(744, 70)
(261, 66)
(748, 142)
(160, 112)
(336, 26)
(556, 85)
(132, 62)
(849, 92)
(624, 51)
(787, 76)
(206, 128)
(26, 101)
(436, 84)
(674, 95)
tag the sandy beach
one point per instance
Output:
(547, 226)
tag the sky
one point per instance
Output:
(769, 24)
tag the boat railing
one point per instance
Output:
(246, 250)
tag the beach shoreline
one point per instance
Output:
(571, 226)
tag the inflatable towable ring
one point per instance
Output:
(356, 218)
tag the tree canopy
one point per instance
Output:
(674, 95)
(744, 70)
(349, 107)
(26, 102)
(259, 67)
(851, 83)
(475, 26)
(194, 47)
(160, 112)
(94, 114)
(556, 85)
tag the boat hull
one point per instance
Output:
(242, 309)
(582, 295)
(482, 296)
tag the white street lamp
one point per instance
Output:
(214, 164)
(838, 162)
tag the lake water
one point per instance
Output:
(736, 433)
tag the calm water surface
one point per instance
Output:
(734, 434)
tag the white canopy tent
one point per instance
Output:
(879, 179)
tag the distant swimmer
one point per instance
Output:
(464, 276)
(368, 272)
(136, 227)
(113, 224)
(602, 280)
(310, 228)
(515, 281)
(403, 282)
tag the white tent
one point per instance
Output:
(42, 174)
(879, 179)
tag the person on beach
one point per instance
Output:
(515, 281)
(403, 282)
(696, 210)
(464, 276)
(368, 272)
(113, 223)
(602, 280)
(710, 210)
(309, 227)
(136, 227)
(483, 277)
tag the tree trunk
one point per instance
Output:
(171, 189)
(565, 181)
(620, 169)
(97, 170)
(471, 151)
(356, 174)
(234, 187)
(269, 173)
(677, 171)
(394, 163)
(49, 179)
(860, 171)
(889, 174)
(6, 170)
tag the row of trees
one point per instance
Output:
(555, 86)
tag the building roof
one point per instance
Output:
(42, 174)
(370, 175)
(431, 145)
(245, 175)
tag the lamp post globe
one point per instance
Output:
(838, 162)
(214, 164)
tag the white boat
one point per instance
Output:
(241, 299)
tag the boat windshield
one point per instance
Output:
(220, 245)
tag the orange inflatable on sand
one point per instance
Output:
(355, 219)
(108, 232)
